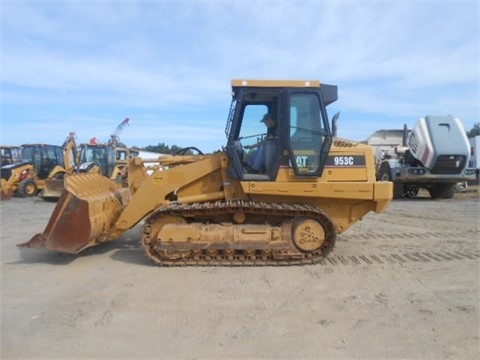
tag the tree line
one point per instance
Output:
(164, 149)
(475, 131)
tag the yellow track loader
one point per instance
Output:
(220, 209)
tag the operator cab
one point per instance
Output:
(43, 157)
(103, 156)
(10, 155)
(300, 137)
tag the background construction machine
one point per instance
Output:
(104, 159)
(40, 163)
(433, 155)
(10, 170)
(26, 178)
(108, 159)
(214, 209)
(52, 185)
(10, 154)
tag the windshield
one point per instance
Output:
(93, 154)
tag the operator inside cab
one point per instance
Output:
(258, 161)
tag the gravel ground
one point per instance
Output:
(402, 284)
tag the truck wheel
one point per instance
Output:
(27, 188)
(385, 174)
(442, 191)
(411, 191)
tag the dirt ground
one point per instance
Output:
(402, 284)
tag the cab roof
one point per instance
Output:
(329, 92)
(276, 83)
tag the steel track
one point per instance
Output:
(206, 212)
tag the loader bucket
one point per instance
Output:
(53, 189)
(84, 214)
(5, 191)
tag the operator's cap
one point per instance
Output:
(266, 116)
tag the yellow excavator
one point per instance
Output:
(217, 209)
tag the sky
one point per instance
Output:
(84, 66)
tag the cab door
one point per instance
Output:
(309, 133)
(247, 134)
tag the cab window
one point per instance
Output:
(306, 133)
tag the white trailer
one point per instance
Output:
(434, 155)
(475, 155)
(474, 152)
